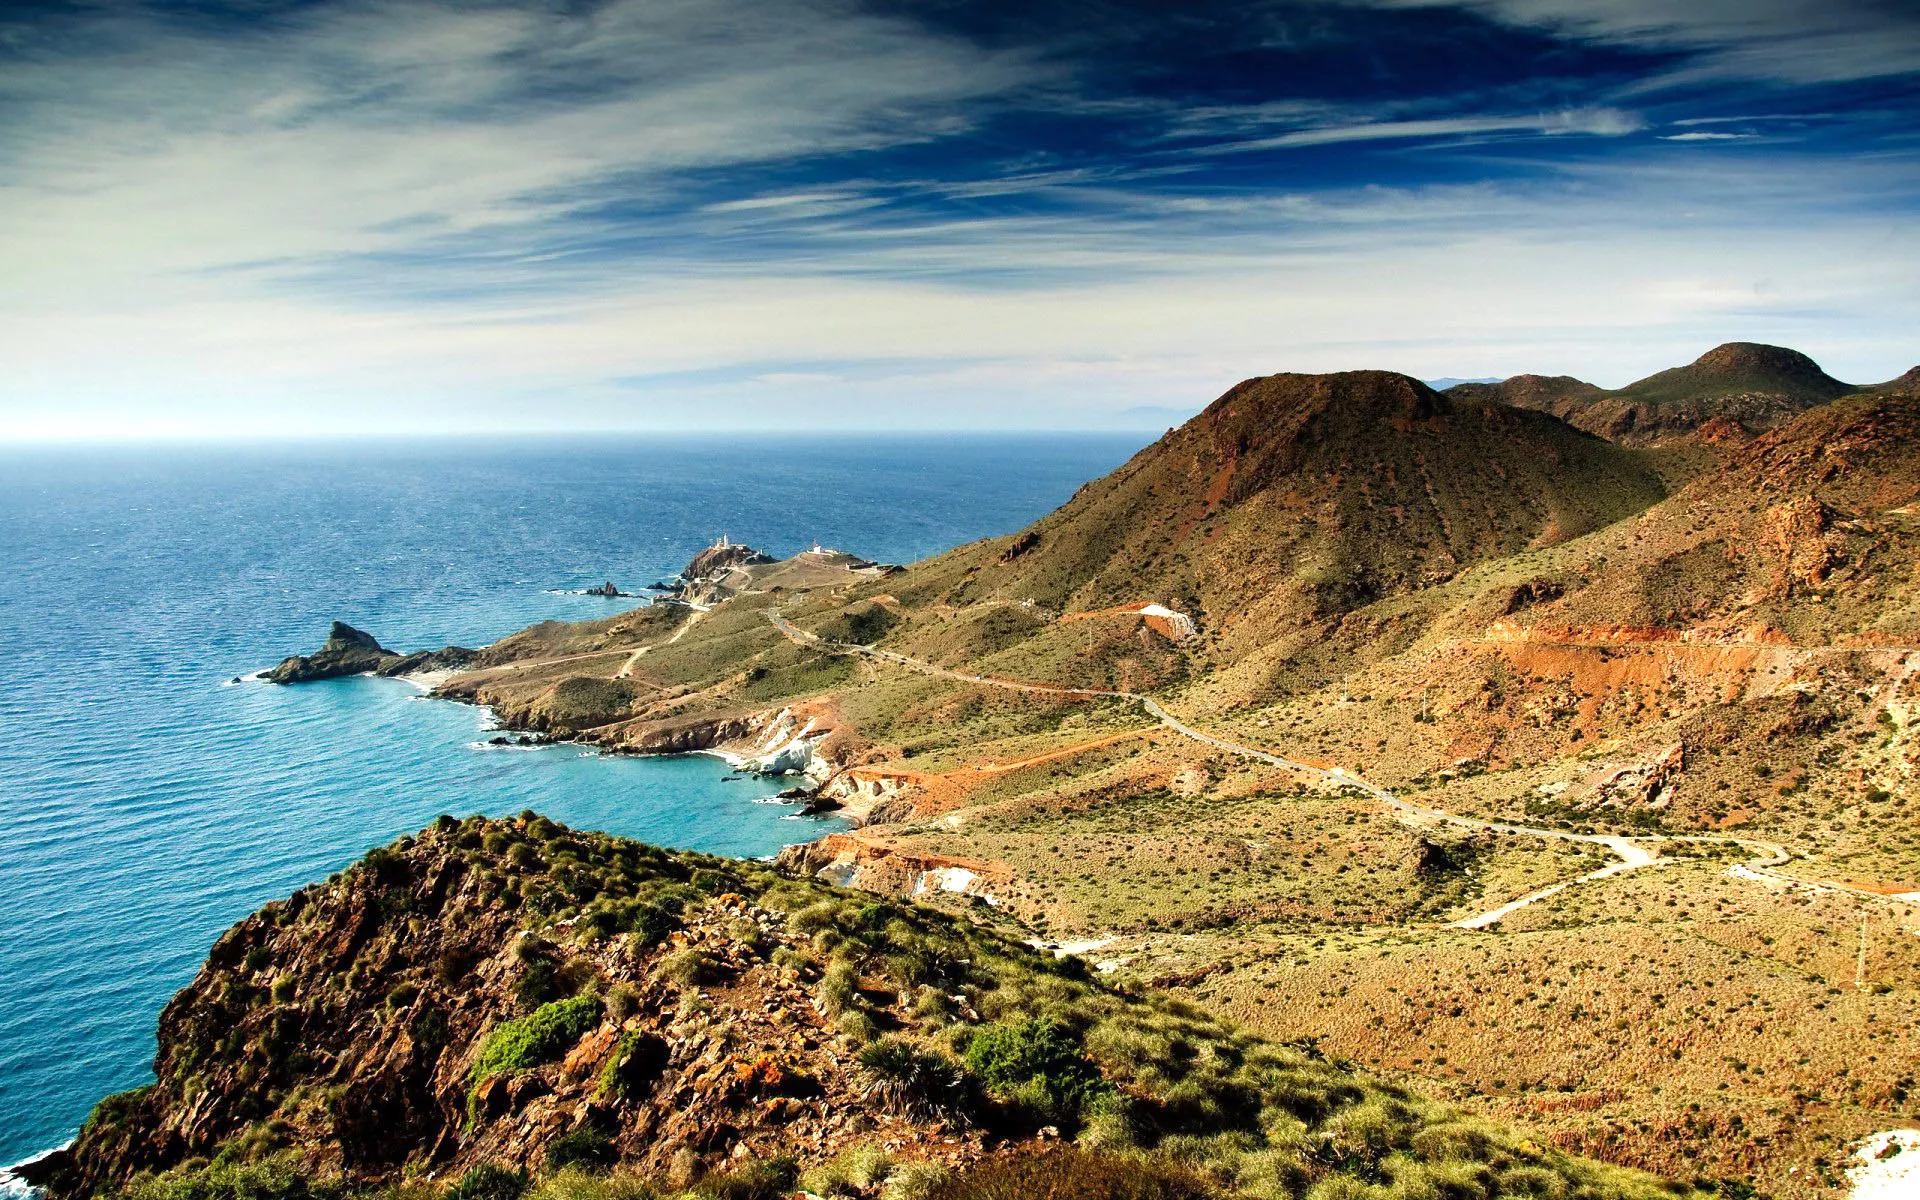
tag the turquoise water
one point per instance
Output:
(146, 803)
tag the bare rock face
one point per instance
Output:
(1019, 545)
(722, 557)
(348, 651)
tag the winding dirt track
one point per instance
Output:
(1632, 854)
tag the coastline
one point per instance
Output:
(12, 1184)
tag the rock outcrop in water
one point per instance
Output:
(501, 996)
(350, 651)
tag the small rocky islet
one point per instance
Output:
(350, 651)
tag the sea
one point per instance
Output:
(148, 800)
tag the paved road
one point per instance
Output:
(1632, 854)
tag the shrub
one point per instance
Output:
(537, 1038)
(274, 1179)
(573, 1183)
(622, 1001)
(1036, 1064)
(792, 959)
(814, 917)
(488, 1181)
(634, 1065)
(387, 868)
(913, 1181)
(1070, 1174)
(403, 994)
(932, 1004)
(857, 1025)
(114, 1109)
(856, 1171)
(539, 984)
(584, 1147)
(688, 967)
(911, 1082)
(452, 965)
(769, 1179)
(1110, 1124)
(838, 988)
(651, 921)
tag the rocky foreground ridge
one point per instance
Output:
(497, 1001)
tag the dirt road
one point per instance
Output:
(1632, 853)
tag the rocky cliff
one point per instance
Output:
(493, 998)
(350, 651)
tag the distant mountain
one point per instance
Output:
(1446, 381)
(1755, 386)
(1910, 382)
(1561, 395)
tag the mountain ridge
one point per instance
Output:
(1751, 383)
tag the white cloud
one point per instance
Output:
(389, 217)
(364, 130)
(1410, 280)
(1597, 122)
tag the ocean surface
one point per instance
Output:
(146, 803)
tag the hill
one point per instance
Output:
(497, 1001)
(1295, 498)
(1754, 386)
(1910, 382)
(1562, 395)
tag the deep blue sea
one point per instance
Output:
(146, 803)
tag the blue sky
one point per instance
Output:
(286, 217)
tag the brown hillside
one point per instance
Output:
(1803, 531)
(1910, 382)
(1293, 498)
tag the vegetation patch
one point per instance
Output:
(539, 1037)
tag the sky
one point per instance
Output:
(267, 218)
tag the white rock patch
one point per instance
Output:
(1887, 1167)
